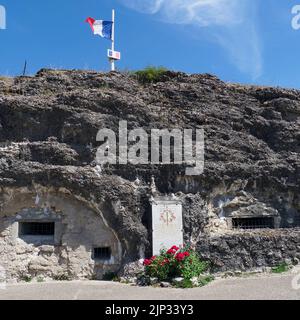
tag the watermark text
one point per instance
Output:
(296, 17)
(2, 18)
(158, 147)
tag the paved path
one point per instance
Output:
(257, 287)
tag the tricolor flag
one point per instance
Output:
(100, 27)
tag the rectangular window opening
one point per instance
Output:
(253, 223)
(36, 228)
(103, 253)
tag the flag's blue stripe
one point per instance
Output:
(107, 29)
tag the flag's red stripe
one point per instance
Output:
(91, 22)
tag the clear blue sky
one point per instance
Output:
(249, 41)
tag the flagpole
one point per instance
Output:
(112, 61)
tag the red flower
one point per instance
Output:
(186, 253)
(147, 262)
(153, 258)
(171, 251)
(180, 256)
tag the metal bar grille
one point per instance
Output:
(102, 253)
(253, 223)
(37, 228)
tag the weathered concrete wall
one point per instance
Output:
(78, 230)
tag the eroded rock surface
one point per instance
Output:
(48, 127)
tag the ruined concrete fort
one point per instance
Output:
(65, 216)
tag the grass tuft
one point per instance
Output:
(151, 74)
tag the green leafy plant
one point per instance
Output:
(203, 281)
(175, 262)
(185, 284)
(151, 74)
(283, 267)
(62, 277)
(110, 276)
(26, 278)
(193, 266)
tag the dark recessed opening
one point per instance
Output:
(36, 228)
(253, 223)
(297, 221)
(102, 253)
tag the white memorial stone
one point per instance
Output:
(166, 224)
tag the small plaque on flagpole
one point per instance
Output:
(115, 55)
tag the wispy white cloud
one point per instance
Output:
(231, 23)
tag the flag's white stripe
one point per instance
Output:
(98, 27)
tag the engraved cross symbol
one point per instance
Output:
(167, 216)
